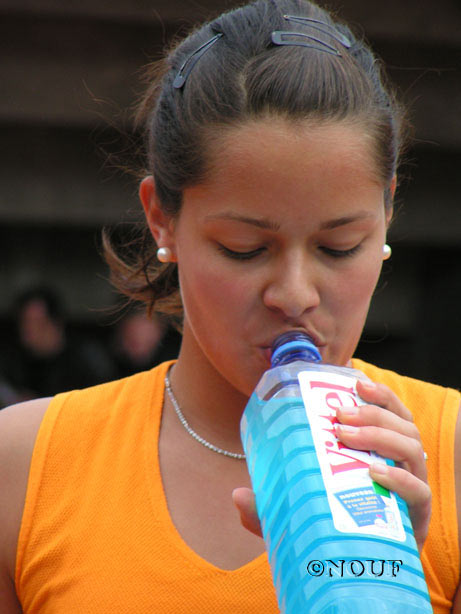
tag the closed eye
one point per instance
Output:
(341, 253)
(240, 255)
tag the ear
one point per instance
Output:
(390, 206)
(160, 224)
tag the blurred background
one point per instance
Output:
(70, 75)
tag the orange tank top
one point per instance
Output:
(96, 536)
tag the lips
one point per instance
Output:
(317, 340)
(267, 347)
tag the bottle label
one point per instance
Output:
(358, 504)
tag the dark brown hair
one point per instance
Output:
(243, 76)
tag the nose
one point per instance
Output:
(292, 288)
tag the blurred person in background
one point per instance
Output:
(141, 343)
(44, 357)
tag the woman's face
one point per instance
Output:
(286, 232)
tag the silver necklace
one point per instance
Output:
(191, 431)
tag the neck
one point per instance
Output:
(211, 406)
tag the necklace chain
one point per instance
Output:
(191, 431)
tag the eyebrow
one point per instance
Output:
(262, 222)
(267, 224)
(342, 221)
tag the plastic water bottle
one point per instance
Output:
(337, 542)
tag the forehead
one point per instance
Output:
(275, 144)
(276, 153)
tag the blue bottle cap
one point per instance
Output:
(292, 346)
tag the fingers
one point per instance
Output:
(373, 428)
(244, 501)
(379, 417)
(387, 443)
(381, 395)
(414, 491)
(384, 429)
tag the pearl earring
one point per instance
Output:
(387, 251)
(164, 254)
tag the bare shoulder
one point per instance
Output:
(19, 425)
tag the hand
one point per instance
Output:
(386, 426)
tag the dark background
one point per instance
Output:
(69, 75)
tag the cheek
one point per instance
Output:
(355, 292)
(206, 289)
(351, 304)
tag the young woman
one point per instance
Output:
(273, 148)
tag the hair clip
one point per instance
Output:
(278, 39)
(333, 32)
(189, 63)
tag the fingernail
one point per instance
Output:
(379, 468)
(351, 411)
(368, 385)
(346, 428)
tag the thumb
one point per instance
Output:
(244, 501)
